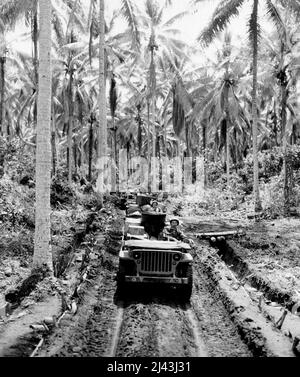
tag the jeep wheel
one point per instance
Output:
(121, 284)
(186, 289)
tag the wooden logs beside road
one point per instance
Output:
(219, 236)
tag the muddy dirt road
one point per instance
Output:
(224, 318)
(229, 315)
(147, 322)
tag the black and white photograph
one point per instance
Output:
(149, 183)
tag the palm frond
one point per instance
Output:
(152, 10)
(91, 21)
(175, 18)
(220, 19)
(12, 11)
(275, 17)
(116, 14)
(73, 18)
(129, 12)
(2, 27)
(197, 1)
(168, 3)
(57, 25)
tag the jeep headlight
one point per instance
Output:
(177, 257)
(136, 255)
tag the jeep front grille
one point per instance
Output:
(156, 262)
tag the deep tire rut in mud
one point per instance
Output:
(256, 327)
(157, 327)
(218, 332)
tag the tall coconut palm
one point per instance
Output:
(102, 131)
(2, 86)
(42, 247)
(218, 105)
(162, 43)
(286, 68)
(220, 19)
(128, 11)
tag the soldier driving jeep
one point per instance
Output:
(174, 232)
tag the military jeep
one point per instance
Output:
(143, 259)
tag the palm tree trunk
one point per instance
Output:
(165, 138)
(153, 127)
(2, 93)
(153, 141)
(257, 203)
(204, 152)
(226, 106)
(274, 124)
(53, 146)
(42, 241)
(148, 147)
(82, 159)
(140, 137)
(187, 140)
(102, 130)
(152, 88)
(293, 134)
(113, 105)
(236, 150)
(35, 60)
(91, 142)
(114, 139)
(227, 151)
(116, 159)
(70, 131)
(285, 168)
(75, 152)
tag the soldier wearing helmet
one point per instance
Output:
(175, 233)
(155, 206)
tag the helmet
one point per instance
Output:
(174, 219)
(146, 207)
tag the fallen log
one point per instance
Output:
(227, 233)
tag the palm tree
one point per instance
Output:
(221, 17)
(162, 44)
(128, 10)
(42, 247)
(102, 130)
(2, 87)
(217, 97)
(286, 67)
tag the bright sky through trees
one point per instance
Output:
(190, 26)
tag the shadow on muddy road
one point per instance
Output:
(147, 294)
